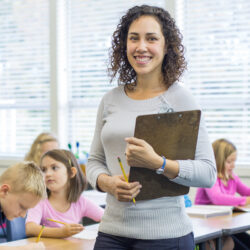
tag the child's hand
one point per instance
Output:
(71, 229)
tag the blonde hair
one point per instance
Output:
(222, 149)
(35, 152)
(25, 177)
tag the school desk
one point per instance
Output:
(203, 232)
(204, 229)
(231, 224)
(219, 226)
(57, 244)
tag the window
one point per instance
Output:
(217, 40)
(24, 74)
(49, 49)
(91, 24)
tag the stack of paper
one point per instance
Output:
(207, 211)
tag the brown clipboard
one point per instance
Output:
(173, 135)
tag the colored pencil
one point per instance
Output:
(57, 221)
(124, 174)
(40, 233)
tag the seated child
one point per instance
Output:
(227, 185)
(21, 187)
(65, 203)
(43, 143)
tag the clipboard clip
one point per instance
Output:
(169, 110)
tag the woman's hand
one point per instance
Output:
(118, 187)
(140, 154)
(70, 229)
(122, 190)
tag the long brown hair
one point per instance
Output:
(173, 63)
(76, 184)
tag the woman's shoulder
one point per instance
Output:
(114, 92)
(182, 98)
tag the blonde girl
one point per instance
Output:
(43, 143)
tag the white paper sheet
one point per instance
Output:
(89, 233)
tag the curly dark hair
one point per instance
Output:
(173, 63)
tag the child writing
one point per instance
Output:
(65, 183)
(21, 187)
(226, 186)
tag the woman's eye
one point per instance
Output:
(133, 38)
(43, 170)
(152, 39)
(55, 168)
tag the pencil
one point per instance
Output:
(57, 221)
(40, 233)
(124, 174)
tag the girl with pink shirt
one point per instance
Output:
(65, 183)
(227, 185)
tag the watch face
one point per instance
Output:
(160, 171)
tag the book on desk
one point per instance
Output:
(207, 211)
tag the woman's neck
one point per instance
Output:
(146, 88)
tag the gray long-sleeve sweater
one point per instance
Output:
(152, 219)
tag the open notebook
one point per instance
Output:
(89, 233)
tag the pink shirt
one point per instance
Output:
(220, 194)
(83, 207)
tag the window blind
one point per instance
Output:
(91, 24)
(24, 74)
(217, 40)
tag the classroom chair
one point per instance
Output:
(15, 229)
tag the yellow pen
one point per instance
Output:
(57, 221)
(40, 233)
(124, 174)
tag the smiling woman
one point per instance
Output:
(146, 49)
(147, 58)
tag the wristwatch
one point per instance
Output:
(161, 169)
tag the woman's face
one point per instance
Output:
(230, 163)
(146, 46)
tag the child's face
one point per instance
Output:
(16, 204)
(55, 173)
(48, 145)
(230, 163)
